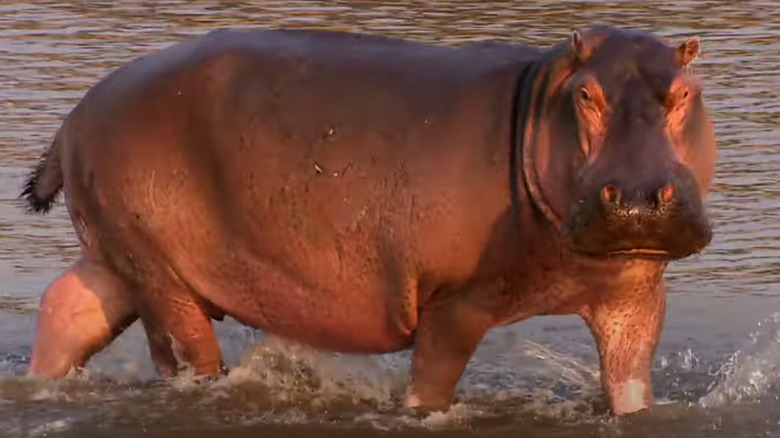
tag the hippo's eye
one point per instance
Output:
(584, 94)
(678, 98)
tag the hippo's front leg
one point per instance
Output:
(447, 335)
(626, 323)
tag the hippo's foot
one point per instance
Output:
(80, 313)
(445, 339)
(181, 336)
(626, 326)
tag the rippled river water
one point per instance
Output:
(718, 365)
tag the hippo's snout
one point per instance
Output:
(663, 218)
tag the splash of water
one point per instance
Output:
(48, 428)
(276, 381)
(292, 370)
(751, 373)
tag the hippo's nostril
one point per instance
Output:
(610, 194)
(665, 194)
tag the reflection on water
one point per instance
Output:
(539, 378)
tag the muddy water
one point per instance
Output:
(718, 365)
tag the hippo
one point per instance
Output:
(367, 194)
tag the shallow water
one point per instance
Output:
(717, 368)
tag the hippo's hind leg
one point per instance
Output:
(179, 329)
(80, 313)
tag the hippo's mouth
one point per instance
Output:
(670, 236)
(641, 252)
(641, 245)
(632, 253)
(644, 253)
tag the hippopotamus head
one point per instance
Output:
(619, 150)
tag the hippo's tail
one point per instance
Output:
(45, 181)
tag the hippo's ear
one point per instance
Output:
(687, 52)
(579, 46)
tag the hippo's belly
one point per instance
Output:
(324, 298)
